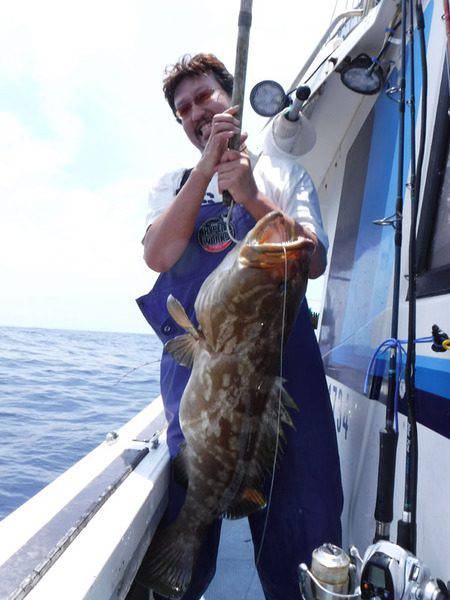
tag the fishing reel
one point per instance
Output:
(333, 575)
(387, 572)
(392, 573)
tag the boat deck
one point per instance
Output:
(236, 576)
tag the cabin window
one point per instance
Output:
(440, 245)
(433, 252)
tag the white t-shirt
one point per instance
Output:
(285, 182)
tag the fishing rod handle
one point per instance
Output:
(240, 73)
(240, 67)
(386, 476)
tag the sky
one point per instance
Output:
(84, 129)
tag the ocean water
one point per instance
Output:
(60, 393)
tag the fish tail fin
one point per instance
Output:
(167, 566)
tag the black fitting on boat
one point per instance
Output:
(441, 342)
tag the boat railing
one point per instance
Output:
(99, 515)
(328, 36)
(342, 24)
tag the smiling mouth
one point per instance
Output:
(203, 128)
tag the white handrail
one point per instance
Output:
(323, 39)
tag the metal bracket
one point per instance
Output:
(393, 221)
(153, 441)
(390, 94)
(111, 437)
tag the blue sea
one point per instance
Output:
(60, 393)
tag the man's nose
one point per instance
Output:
(196, 112)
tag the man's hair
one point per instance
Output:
(190, 66)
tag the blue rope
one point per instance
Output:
(390, 344)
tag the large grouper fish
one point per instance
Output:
(234, 402)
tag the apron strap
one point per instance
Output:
(185, 177)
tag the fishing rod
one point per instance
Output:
(406, 532)
(237, 98)
(384, 512)
(240, 73)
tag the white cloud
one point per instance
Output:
(23, 156)
(70, 234)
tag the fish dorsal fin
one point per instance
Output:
(179, 315)
(183, 348)
(251, 501)
(179, 464)
(286, 399)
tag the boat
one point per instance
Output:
(84, 535)
(356, 176)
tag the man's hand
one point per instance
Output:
(235, 175)
(223, 127)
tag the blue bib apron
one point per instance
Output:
(307, 497)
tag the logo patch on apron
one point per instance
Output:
(213, 235)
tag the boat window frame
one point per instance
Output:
(434, 282)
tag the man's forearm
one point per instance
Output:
(259, 206)
(168, 237)
(318, 260)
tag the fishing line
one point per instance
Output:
(227, 223)
(232, 202)
(283, 322)
(146, 364)
(355, 333)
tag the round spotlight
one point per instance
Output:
(362, 75)
(268, 98)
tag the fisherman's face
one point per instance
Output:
(197, 99)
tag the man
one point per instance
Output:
(185, 240)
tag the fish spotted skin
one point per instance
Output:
(230, 409)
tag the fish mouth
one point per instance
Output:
(274, 241)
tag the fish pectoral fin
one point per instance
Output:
(179, 465)
(255, 496)
(252, 500)
(179, 315)
(183, 348)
